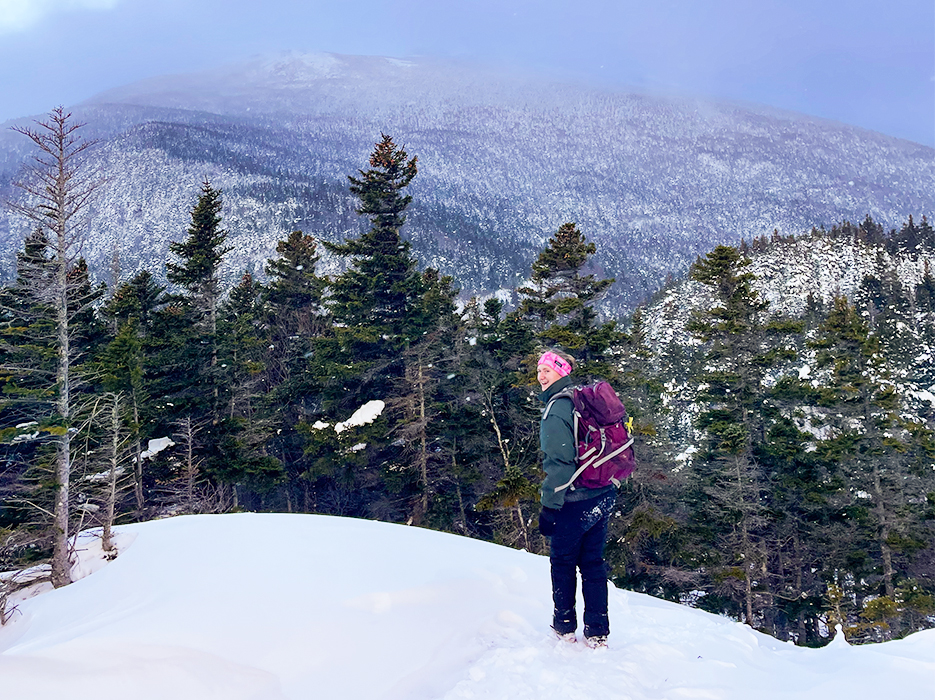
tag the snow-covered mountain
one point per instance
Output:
(275, 606)
(504, 161)
(785, 274)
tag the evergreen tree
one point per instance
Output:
(244, 426)
(386, 317)
(645, 549)
(295, 317)
(128, 364)
(121, 368)
(294, 307)
(877, 454)
(497, 365)
(197, 273)
(422, 394)
(561, 301)
(200, 256)
(730, 486)
(139, 299)
(375, 304)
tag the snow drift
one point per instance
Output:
(301, 606)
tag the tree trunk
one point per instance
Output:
(522, 526)
(504, 452)
(61, 556)
(113, 463)
(423, 442)
(884, 534)
(137, 458)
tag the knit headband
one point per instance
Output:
(561, 367)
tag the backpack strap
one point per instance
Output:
(572, 479)
(594, 461)
(568, 393)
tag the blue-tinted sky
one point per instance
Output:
(870, 63)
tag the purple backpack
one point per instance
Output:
(604, 445)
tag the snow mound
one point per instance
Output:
(272, 606)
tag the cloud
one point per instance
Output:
(20, 15)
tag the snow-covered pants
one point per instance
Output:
(578, 543)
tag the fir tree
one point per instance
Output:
(200, 256)
(497, 367)
(375, 304)
(245, 426)
(561, 301)
(192, 369)
(386, 317)
(295, 317)
(730, 486)
(872, 448)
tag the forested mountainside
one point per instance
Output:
(503, 162)
(788, 406)
(786, 454)
(786, 451)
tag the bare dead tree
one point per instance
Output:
(187, 435)
(117, 453)
(8, 586)
(57, 186)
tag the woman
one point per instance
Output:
(575, 519)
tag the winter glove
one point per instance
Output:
(547, 521)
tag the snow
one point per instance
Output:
(275, 606)
(367, 413)
(155, 446)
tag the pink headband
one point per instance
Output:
(561, 367)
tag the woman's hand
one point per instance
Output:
(547, 521)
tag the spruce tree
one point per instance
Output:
(645, 549)
(561, 302)
(730, 486)
(424, 393)
(497, 367)
(878, 454)
(294, 308)
(191, 360)
(384, 321)
(294, 314)
(245, 423)
(375, 303)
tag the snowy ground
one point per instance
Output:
(266, 607)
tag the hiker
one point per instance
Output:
(575, 519)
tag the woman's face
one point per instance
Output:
(547, 376)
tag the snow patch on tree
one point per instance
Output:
(367, 413)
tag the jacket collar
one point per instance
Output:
(555, 388)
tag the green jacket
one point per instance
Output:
(558, 450)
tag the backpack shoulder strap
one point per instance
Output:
(567, 393)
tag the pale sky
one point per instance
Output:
(870, 63)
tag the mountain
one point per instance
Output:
(278, 606)
(504, 160)
(786, 271)
(881, 278)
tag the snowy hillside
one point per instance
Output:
(294, 606)
(784, 276)
(504, 161)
